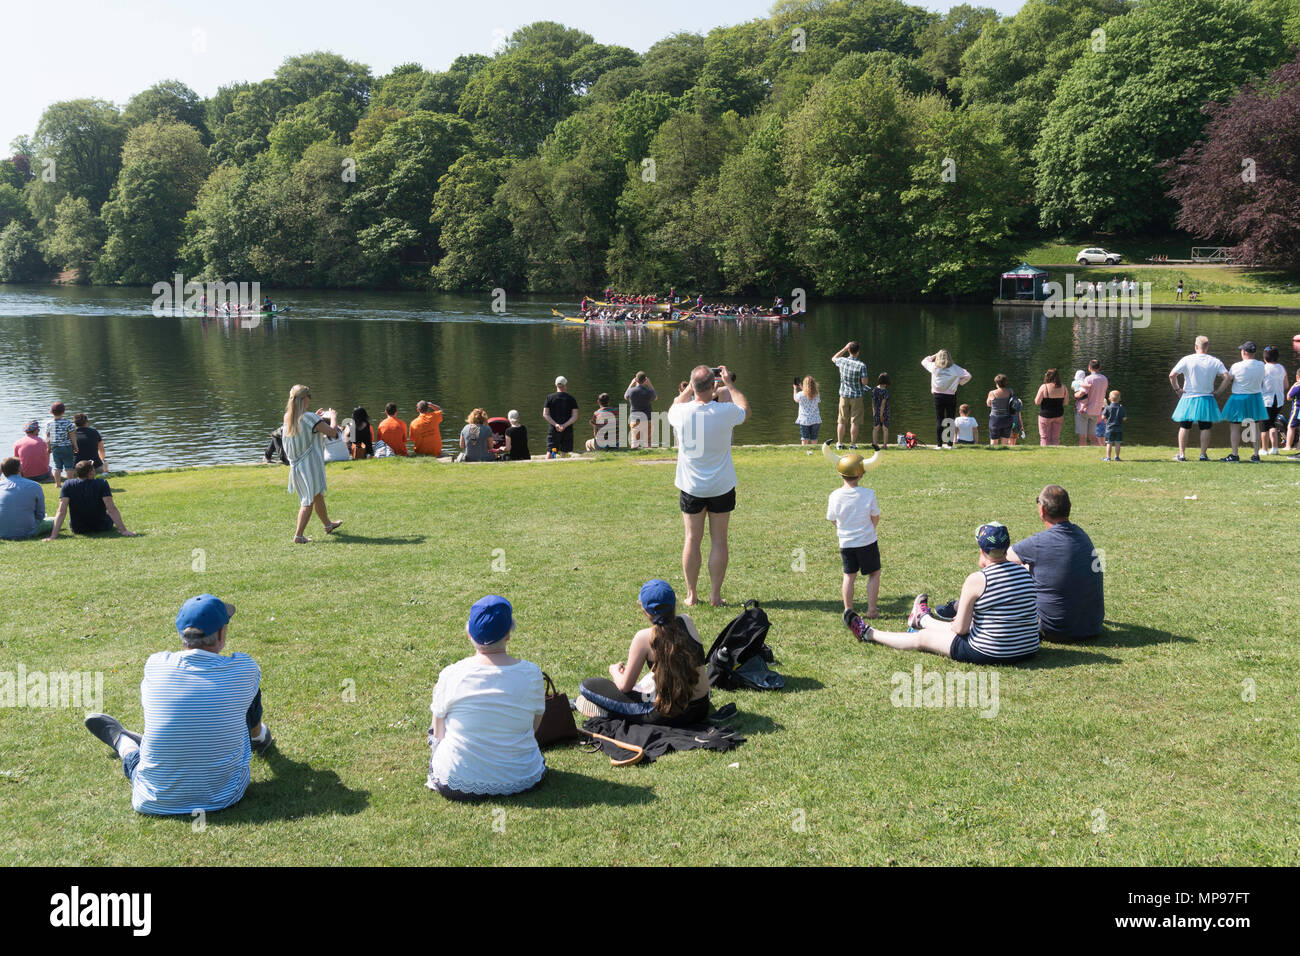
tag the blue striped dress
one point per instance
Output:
(1005, 622)
(306, 453)
(195, 751)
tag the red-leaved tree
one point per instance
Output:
(1241, 182)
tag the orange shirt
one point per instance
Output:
(425, 435)
(393, 433)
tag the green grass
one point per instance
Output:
(1148, 727)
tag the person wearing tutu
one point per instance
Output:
(1245, 406)
(1196, 405)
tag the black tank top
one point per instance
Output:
(1052, 407)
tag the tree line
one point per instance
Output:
(851, 147)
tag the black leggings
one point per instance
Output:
(945, 413)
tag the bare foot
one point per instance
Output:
(717, 602)
(872, 615)
(692, 600)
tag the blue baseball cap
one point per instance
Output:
(657, 596)
(993, 537)
(490, 619)
(206, 613)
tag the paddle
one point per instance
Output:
(637, 752)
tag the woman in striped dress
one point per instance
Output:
(306, 457)
(995, 621)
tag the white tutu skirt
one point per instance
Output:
(1245, 408)
(1199, 408)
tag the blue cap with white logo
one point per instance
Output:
(490, 619)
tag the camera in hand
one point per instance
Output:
(717, 373)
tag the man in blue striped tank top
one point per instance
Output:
(997, 614)
(202, 720)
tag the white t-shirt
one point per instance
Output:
(1198, 373)
(1275, 384)
(966, 427)
(1247, 377)
(851, 510)
(944, 381)
(704, 466)
(489, 745)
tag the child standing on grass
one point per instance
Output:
(881, 412)
(1113, 415)
(855, 513)
(61, 436)
(810, 409)
(967, 428)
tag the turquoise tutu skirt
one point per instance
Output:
(1201, 408)
(1245, 408)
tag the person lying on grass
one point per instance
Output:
(486, 710)
(202, 720)
(996, 617)
(677, 691)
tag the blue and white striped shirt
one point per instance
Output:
(1005, 623)
(195, 753)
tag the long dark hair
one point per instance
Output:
(675, 670)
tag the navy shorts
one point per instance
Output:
(962, 652)
(809, 432)
(718, 504)
(863, 560)
(999, 427)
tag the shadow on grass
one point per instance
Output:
(350, 538)
(1135, 635)
(1051, 656)
(294, 792)
(564, 789)
(797, 685)
(888, 607)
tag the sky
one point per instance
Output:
(113, 49)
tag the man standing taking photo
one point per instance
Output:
(706, 476)
(853, 386)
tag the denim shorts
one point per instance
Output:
(65, 459)
(961, 651)
(809, 432)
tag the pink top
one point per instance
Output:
(1096, 385)
(34, 455)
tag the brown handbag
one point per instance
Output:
(557, 723)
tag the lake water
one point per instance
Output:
(181, 391)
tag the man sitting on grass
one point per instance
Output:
(89, 502)
(22, 504)
(1067, 572)
(202, 720)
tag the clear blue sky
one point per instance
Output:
(112, 49)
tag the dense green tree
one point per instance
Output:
(77, 238)
(944, 41)
(11, 175)
(1121, 111)
(305, 77)
(13, 208)
(518, 98)
(170, 99)
(78, 146)
(163, 165)
(480, 248)
(673, 64)
(20, 255)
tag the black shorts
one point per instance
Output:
(1203, 426)
(999, 427)
(1276, 418)
(559, 441)
(961, 651)
(863, 560)
(718, 504)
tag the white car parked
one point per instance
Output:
(1098, 257)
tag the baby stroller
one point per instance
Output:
(498, 426)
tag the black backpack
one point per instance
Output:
(739, 657)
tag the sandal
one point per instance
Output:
(332, 527)
(299, 539)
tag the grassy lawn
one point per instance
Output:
(1218, 285)
(1138, 750)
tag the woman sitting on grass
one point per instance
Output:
(995, 621)
(476, 438)
(677, 690)
(486, 710)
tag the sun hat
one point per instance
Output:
(32, 426)
(658, 598)
(993, 537)
(490, 619)
(206, 613)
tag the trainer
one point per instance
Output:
(1067, 572)
(706, 476)
(202, 720)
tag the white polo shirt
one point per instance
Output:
(704, 466)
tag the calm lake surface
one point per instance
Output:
(183, 391)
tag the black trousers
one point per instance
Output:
(945, 413)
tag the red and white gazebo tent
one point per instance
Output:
(1026, 283)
